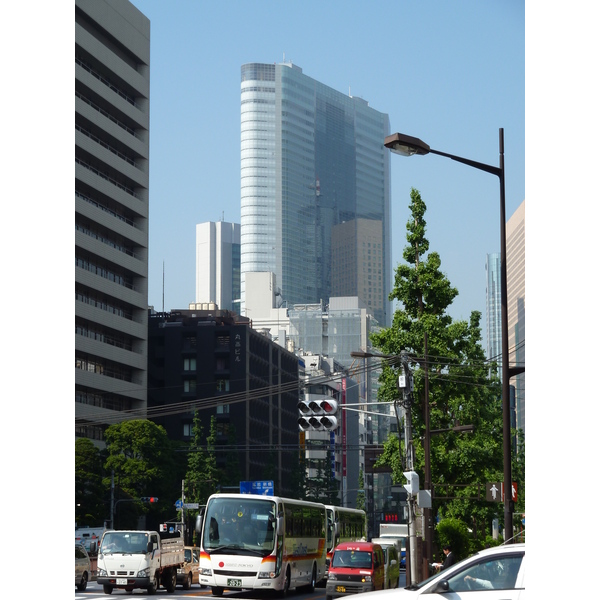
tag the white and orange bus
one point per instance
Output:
(344, 525)
(252, 542)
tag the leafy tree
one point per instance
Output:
(91, 505)
(298, 477)
(233, 474)
(360, 497)
(454, 533)
(141, 456)
(202, 474)
(461, 389)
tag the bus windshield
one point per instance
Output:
(239, 526)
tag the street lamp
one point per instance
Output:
(407, 145)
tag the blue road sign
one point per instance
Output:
(262, 488)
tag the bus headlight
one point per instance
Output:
(266, 575)
(331, 576)
(366, 579)
(206, 572)
(101, 573)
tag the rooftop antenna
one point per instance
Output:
(163, 289)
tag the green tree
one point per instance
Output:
(202, 474)
(454, 533)
(233, 473)
(360, 497)
(91, 502)
(463, 388)
(141, 456)
(298, 478)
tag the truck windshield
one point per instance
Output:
(124, 542)
(352, 559)
(246, 527)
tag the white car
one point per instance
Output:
(492, 574)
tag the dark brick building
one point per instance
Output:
(213, 361)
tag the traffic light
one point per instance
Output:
(412, 486)
(318, 415)
(149, 499)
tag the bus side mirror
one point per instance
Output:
(199, 523)
(280, 526)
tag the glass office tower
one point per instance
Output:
(493, 309)
(311, 158)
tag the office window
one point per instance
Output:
(189, 364)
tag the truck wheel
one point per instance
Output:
(108, 589)
(187, 584)
(217, 591)
(151, 589)
(170, 580)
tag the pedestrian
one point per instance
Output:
(448, 561)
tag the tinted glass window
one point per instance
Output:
(494, 574)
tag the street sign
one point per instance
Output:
(262, 488)
(513, 491)
(178, 504)
(494, 492)
(191, 505)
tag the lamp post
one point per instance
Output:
(406, 145)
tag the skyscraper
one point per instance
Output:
(515, 266)
(218, 264)
(311, 158)
(493, 306)
(112, 92)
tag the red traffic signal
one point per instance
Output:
(149, 499)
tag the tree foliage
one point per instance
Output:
(202, 476)
(463, 388)
(140, 455)
(91, 502)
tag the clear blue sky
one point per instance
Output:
(451, 73)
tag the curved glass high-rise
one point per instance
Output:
(311, 158)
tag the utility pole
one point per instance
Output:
(112, 499)
(405, 386)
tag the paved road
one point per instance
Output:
(95, 591)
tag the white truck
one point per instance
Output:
(130, 559)
(394, 533)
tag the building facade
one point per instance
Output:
(212, 362)
(493, 309)
(218, 264)
(112, 107)
(311, 158)
(515, 268)
(357, 264)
